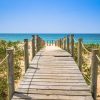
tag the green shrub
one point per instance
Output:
(3, 68)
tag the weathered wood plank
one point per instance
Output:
(68, 87)
(54, 92)
(55, 81)
(50, 97)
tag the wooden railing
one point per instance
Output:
(37, 44)
(69, 40)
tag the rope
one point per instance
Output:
(98, 58)
(20, 47)
(23, 44)
(87, 78)
(75, 40)
(85, 48)
(4, 59)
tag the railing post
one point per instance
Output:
(33, 46)
(26, 56)
(94, 72)
(68, 43)
(80, 54)
(52, 42)
(40, 43)
(60, 43)
(65, 43)
(55, 43)
(10, 77)
(37, 43)
(47, 43)
(72, 45)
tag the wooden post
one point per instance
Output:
(37, 43)
(10, 77)
(72, 45)
(55, 43)
(65, 43)
(80, 54)
(68, 43)
(26, 56)
(40, 43)
(52, 42)
(60, 43)
(47, 43)
(94, 72)
(33, 46)
(43, 43)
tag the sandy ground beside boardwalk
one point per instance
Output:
(22, 61)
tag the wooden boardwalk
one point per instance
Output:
(53, 75)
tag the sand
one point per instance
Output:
(21, 45)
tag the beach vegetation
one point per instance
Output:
(18, 53)
(86, 59)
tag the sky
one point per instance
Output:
(49, 16)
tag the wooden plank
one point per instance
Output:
(55, 81)
(54, 75)
(50, 97)
(55, 92)
(54, 86)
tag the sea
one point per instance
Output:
(87, 38)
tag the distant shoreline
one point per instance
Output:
(87, 38)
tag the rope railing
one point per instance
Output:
(85, 59)
(20, 47)
(75, 40)
(85, 48)
(3, 60)
(98, 58)
(85, 76)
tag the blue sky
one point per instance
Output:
(50, 16)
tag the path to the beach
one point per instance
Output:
(53, 75)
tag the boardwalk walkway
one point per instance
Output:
(53, 75)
